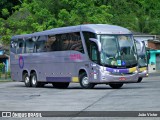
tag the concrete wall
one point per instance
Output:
(152, 60)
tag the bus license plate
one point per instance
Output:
(122, 78)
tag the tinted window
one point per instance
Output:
(13, 46)
(88, 35)
(53, 43)
(68, 41)
(20, 46)
(72, 41)
(30, 46)
(40, 44)
(94, 52)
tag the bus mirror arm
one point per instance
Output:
(97, 42)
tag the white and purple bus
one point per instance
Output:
(142, 59)
(89, 54)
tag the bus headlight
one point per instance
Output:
(135, 72)
(147, 74)
(145, 71)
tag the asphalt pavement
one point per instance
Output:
(141, 97)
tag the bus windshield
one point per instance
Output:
(142, 60)
(117, 50)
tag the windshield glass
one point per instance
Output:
(142, 60)
(142, 57)
(118, 50)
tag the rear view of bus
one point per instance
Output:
(142, 60)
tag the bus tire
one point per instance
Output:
(26, 80)
(60, 85)
(139, 79)
(116, 85)
(84, 82)
(34, 82)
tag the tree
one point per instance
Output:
(28, 16)
(7, 7)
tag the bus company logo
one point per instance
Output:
(75, 57)
(21, 62)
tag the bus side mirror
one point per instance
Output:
(97, 42)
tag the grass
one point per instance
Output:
(2, 80)
(5, 78)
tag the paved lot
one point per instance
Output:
(145, 96)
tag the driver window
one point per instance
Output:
(94, 52)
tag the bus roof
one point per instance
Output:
(95, 28)
(105, 29)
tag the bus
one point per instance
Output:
(142, 59)
(88, 54)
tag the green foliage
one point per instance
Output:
(1, 67)
(8, 74)
(5, 12)
(137, 15)
(27, 16)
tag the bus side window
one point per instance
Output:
(30, 46)
(71, 41)
(65, 41)
(20, 46)
(94, 52)
(52, 44)
(40, 44)
(76, 42)
(88, 35)
(13, 46)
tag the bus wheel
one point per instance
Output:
(139, 79)
(84, 81)
(116, 85)
(60, 85)
(26, 80)
(34, 82)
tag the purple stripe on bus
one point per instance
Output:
(58, 79)
(118, 70)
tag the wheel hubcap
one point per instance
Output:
(85, 81)
(33, 80)
(27, 79)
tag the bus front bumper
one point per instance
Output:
(110, 78)
(143, 74)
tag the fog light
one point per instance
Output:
(103, 78)
(147, 75)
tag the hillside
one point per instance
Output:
(27, 16)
